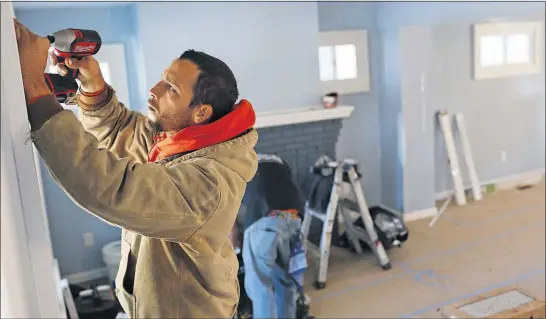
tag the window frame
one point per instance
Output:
(536, 31)
(358, 38)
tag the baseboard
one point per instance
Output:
(420, 214)
(86, 276)
(502, 183)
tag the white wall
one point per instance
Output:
(27, 269)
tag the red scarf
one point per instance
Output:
(192, 138)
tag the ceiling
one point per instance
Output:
(30, 5)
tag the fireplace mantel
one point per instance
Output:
(297, 116)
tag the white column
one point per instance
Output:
(29, 289)
(19, 294)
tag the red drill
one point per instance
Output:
(70, 43)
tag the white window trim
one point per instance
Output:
(359, 38)
(114, 55)
(503, 29)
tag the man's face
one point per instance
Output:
(168, 109)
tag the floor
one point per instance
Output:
(482, 246)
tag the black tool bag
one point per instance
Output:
(389, 226)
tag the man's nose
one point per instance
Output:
(155, 92)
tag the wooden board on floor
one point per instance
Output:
(507, 302)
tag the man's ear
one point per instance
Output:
(202, 114)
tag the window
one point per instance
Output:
(111, 59)
(337, 62)
(343, 61)
(508, 49)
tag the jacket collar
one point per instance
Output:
(193, 138)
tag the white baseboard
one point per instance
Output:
(420, 214)
(89, 275)
(502, 183)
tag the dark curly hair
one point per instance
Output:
(215, 86)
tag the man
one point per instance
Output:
(273, 255)
(173, 182)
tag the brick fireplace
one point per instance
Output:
(301, 136)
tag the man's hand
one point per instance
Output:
(33, 51)
(90, 75)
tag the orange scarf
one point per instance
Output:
(192, 138)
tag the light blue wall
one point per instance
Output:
(359, 138)
(413, 165)
(391, 120)
(417, 108)
(500, 113)
(114, 24)
(398, 14)
(271, 47)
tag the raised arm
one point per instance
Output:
(149, 199)
(118, 129)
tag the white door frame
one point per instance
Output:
(29, 288)
(114, 55)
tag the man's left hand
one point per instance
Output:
(33, 55)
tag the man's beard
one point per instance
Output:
(154, 127)
(167, 123)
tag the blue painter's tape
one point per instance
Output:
(474, 293)
(409, 272)
(430, 278)
(368, 284)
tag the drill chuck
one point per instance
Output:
(70, 43)
(75, 42)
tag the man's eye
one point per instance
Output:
(169, 86)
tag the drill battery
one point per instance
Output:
(63, 87)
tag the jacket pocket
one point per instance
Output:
(126, 300)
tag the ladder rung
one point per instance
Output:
(316, 214)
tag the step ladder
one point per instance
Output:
(338, 203)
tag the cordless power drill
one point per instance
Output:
(70, 43)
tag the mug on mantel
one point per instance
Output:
(329, 100)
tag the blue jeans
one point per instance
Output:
(266, 255)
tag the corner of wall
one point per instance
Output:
(139, 61)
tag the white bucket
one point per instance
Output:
(111, 255)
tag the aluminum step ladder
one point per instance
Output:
(337, 204)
